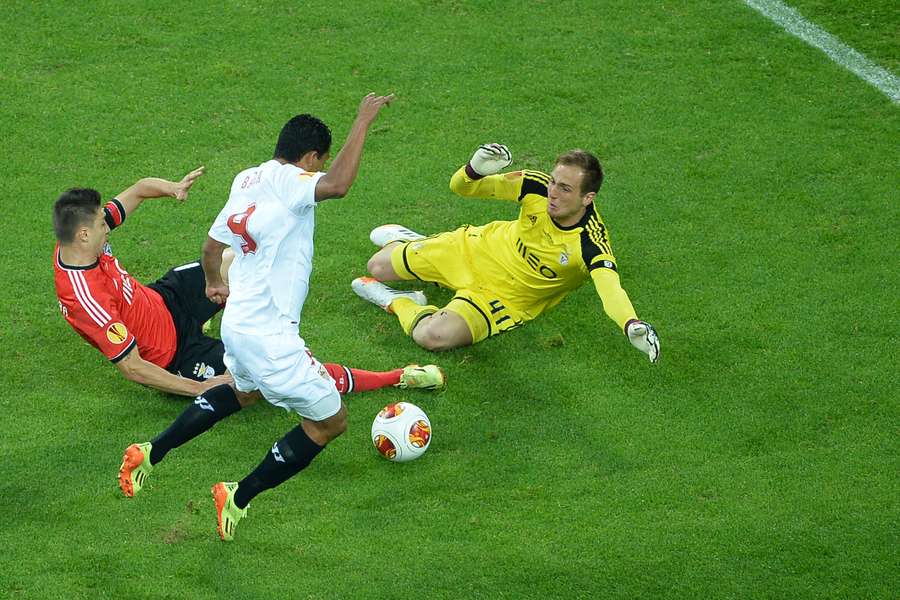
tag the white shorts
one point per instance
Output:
(283, 370)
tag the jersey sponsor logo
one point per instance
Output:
(534, 261)
(117, 333)
(237, 223)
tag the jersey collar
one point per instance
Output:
(588, 211)
(65, 267)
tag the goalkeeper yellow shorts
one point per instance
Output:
(441, 259)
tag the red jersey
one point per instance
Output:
(110, 309)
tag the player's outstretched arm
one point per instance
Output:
(480, 178)
(489, 159)
(342, 173)
(643, 336)
(138, 370)
(154, 187)
(618, 307)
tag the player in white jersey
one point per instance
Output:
(268, 221)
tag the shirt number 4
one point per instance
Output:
(237, 223)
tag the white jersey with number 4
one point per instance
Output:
(268, 221)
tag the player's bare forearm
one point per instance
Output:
(216, 288)
(345, 166)
(149, 187)
(155, 187)
(138, 370)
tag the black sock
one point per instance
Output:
(205, 411)
(290, 455)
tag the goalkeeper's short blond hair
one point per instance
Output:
(588, 163)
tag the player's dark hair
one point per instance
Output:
(588, 163)
(300, 135)
(74, 208)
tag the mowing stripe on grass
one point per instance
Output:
(855, 62)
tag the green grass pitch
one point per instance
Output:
(752, 198)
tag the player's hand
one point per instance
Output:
(182, 187)
(643, 337)
(223, 379)
(217, 293)
(371, 105)
(490, 159)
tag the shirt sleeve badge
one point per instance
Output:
(117, 333)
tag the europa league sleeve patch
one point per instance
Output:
(117, 333)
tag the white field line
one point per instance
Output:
(794, 23)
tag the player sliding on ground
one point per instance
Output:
(153, 333)
(505, 273)
(268, 221)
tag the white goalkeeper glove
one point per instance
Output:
(489, 159)
(643, 337)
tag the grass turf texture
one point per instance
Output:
(752, 197)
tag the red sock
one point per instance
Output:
(350, 380)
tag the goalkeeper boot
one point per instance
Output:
(227, 513)
(383, 235)
(135, 468)
(369, 288)
(429, 377)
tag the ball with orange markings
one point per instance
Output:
(401, 432)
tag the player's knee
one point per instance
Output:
(380, 267)
(337, 424)
(338, 427)
(246, 399)
(437, 335)
(375, 267)
(322, 432)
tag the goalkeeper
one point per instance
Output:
(505, 273)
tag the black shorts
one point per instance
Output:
(197, 356)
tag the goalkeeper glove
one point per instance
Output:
(643, 337)
(489, 159)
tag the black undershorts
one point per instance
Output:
(197, 356)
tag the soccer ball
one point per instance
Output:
(401, 432)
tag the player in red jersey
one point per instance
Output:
(153, 333)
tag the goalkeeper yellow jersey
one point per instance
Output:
(532, 262)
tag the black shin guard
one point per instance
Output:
(205, 411)
(290, 455)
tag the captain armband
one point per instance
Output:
(114, 213)
(603, 264)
